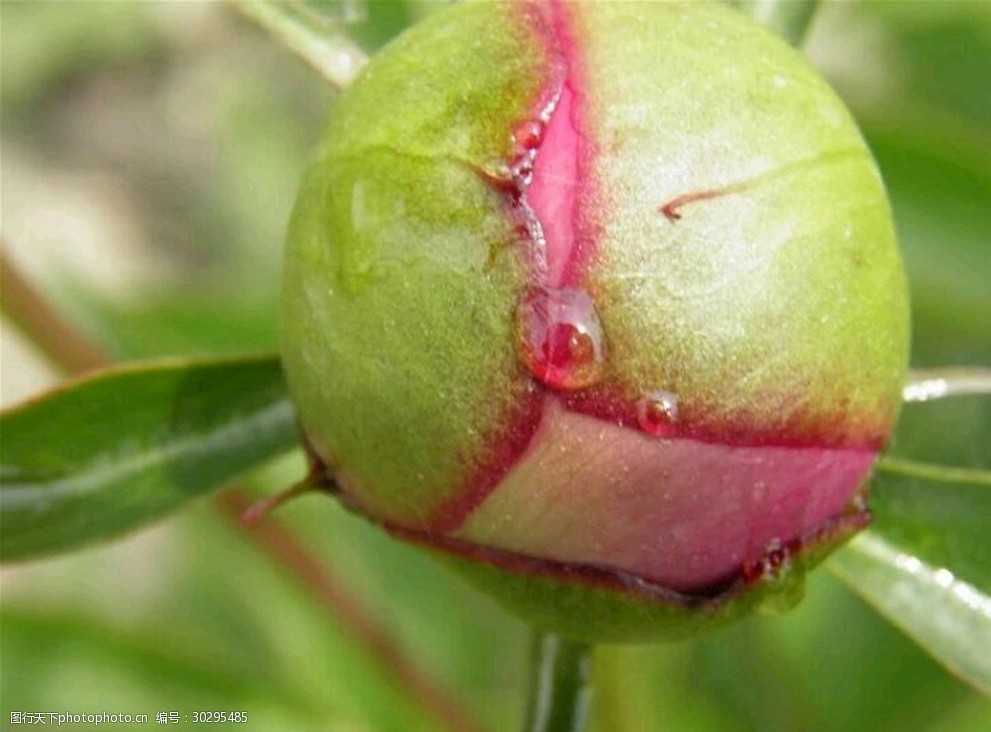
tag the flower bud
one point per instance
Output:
(602, 303)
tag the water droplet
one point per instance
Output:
(858, 501)
(776, 570)
(528, 135)
(657, 412)
(526, 138)
(522, 170)
(560, 338)
(773, 564)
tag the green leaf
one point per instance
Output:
(788, 18)
(926, 561)
(312, 36)
(109, 453)
(947, 616)
(940, 188)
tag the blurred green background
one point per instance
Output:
(150, 156)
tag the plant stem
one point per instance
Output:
(560, 684)
(74, 353)
(788, 18)
(310, 36)
(929, 471)
(925, 384)
(55, 337)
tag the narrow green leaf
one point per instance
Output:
(312, 36)
(788, 18)
(926, 561)
(109, 453)
(946, 615)
(177, 665)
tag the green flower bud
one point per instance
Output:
(600, 302)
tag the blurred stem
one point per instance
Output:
(311, 36)
(560, 684)
(56, 338)
(74, 353)
(925, 384)
(788, 18)
(928, 471)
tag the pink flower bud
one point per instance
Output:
(602, 303)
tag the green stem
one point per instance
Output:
(925, 384)
(788, 18)
(560, 684)
(931, 471)
(310, 36)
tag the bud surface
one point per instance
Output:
(602, 303)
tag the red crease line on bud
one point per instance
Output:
(671, 209)
(507, 448)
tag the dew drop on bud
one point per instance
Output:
(657, 412)
(560, 338)
(773, 564)
(528, 135)
(522, 170)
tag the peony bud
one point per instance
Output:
(602, 303)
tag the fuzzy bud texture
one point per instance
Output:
(602, 303)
